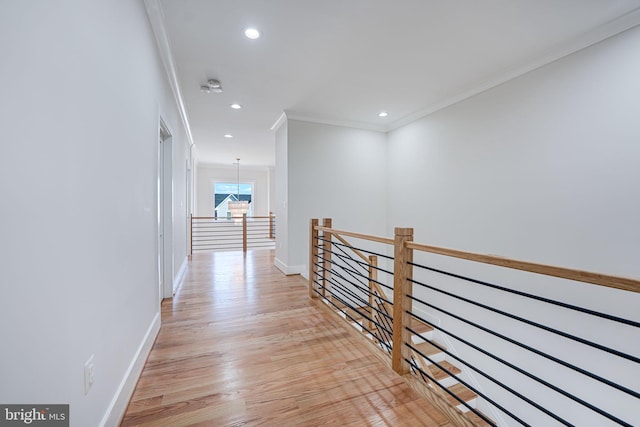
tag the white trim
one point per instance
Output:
(281, 120)
(607, 30)
(292, 115)
(155, 13)
(177, 281)
(603, 32)
(118, 406)
(289, 270)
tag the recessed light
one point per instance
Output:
(236, 106)
(228, 135)
(252, 33)
(383, 114)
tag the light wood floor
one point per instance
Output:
(242, 345)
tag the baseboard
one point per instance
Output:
(289, 270)
(177, 281)
(118, 406)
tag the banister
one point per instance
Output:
(384, 240)
(349, 290)
(616, 282)
(210, 233)
(225, 218)
(356, 251)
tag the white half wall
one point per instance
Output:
(79, 220)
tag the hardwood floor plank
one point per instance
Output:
(242, 345)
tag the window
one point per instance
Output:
(223, 192)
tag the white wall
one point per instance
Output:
(83, 90)
(208, 175)
(542, 168)
(334, 172)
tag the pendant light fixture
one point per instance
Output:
(238, 207)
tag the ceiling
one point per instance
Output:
(344, 61)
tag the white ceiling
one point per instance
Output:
(343, 61)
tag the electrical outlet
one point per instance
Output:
(89, 374)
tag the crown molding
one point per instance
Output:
(156, 18)
(601, 33)
(281, 120)
(293, 115)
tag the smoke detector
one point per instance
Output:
(212, 85)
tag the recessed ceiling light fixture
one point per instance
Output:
(228, 135)
(383, 114)
(236, 106)
(252, 33)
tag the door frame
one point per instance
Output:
(165, 211)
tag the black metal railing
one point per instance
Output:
(505, 346)
(470, 338)
(222, 234)
(350, 289)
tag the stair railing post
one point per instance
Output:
(326, 255)
(373, 276)
(313, 256)
(271, 225)
(190, 234)
(402, 287)
(244, 232)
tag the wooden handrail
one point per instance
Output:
(225, 218)
(384, 240)
(616, 282)
(610, 281)
(346, 243)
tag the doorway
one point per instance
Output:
(165, 212)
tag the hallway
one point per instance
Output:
(243, 345)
